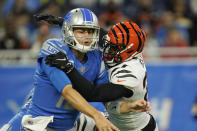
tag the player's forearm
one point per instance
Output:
(102, 93)
(78, 102)
(108, 92)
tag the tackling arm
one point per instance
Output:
(103, 93)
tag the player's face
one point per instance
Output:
(110, 52)
(113, 50)
(84, 35)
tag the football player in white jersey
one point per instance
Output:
(123, 57)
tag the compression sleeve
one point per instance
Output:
(102, 93)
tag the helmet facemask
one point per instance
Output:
(112, 53)
(109, 55)
(126, 40)
(81, 43)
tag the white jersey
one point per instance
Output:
(132, 75)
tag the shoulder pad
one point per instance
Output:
(51, 46)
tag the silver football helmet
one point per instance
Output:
(80, 18)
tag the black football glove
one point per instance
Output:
(60, 61)
(54, 20)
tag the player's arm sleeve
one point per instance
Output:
(101, 93)
(56, 76)
(109, 92)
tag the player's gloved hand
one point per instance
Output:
(60, 61)
(54, 20)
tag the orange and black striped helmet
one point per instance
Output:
(124, 40)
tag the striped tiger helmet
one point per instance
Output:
(124, 41)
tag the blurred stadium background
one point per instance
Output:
(170, 52)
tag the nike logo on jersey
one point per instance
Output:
(120, 80)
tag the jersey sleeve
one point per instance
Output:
(58, 78)
(51, 46)
(101, 93)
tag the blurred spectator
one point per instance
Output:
(7, 7)
(185, 18)
(144, 10)
(11, 39)
(83, 3)
(20, 17)
(193, 4)
(151, 46)
(24, 28)
(167, 22)
(40, 35)
(43, 33)
(158, 18)
(193, 29)
(14, 6)
(111, 16)
(145, 15)
(31, 6)
(52, 8)
(175, 39)
(180, 13)
(117, 2)
(19, 6)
